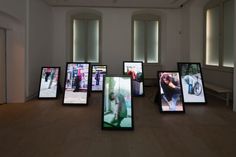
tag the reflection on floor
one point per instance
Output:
(46, 128)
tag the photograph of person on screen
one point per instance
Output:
(192, 84)
(171, 98)
(49, 82)
(120, 110)
(117, 109)
(134, 69)
(76, 83)
(98, 73)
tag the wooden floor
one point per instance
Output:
(45, 128)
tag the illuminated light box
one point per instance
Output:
(98, 73)
(192, 82)
(117, 108)
(170, 93)
(135, 70)
(76, 83)
(49, 81)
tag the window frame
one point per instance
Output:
(210, 5)
(85, 16)
(146, 17)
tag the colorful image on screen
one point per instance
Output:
(117, 103)
(76, 83)
(49, 82)
(135, 70)
(170, 92)
(192, 83)
(98, 73)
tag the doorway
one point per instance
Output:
(3, 80)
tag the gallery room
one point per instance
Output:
(128, 78)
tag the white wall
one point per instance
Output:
(12, 18)
(116, 37)
(196, 19)
(14, 8)
(185, 45)
(59, 41)
(29, 45)
(39, 43)
(173, 43)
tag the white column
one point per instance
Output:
(234, 83)
(2, 66)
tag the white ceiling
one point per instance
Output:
(119, 3)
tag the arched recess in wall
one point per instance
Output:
(141, 21)
(94, 17)
(15, 57)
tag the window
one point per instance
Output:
(146, 38)
(219, 34)
(86, 38)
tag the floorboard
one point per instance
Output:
(46, 128)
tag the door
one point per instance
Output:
(2, 66)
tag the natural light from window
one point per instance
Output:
(86, 40)
(212, 36)
(146, 41)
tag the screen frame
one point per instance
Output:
(58, 82)
(88, 92)
(179, 64)
(91, 79)
(131, 78)
(103, 103)
(159, 93)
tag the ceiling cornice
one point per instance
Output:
(147, 4)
